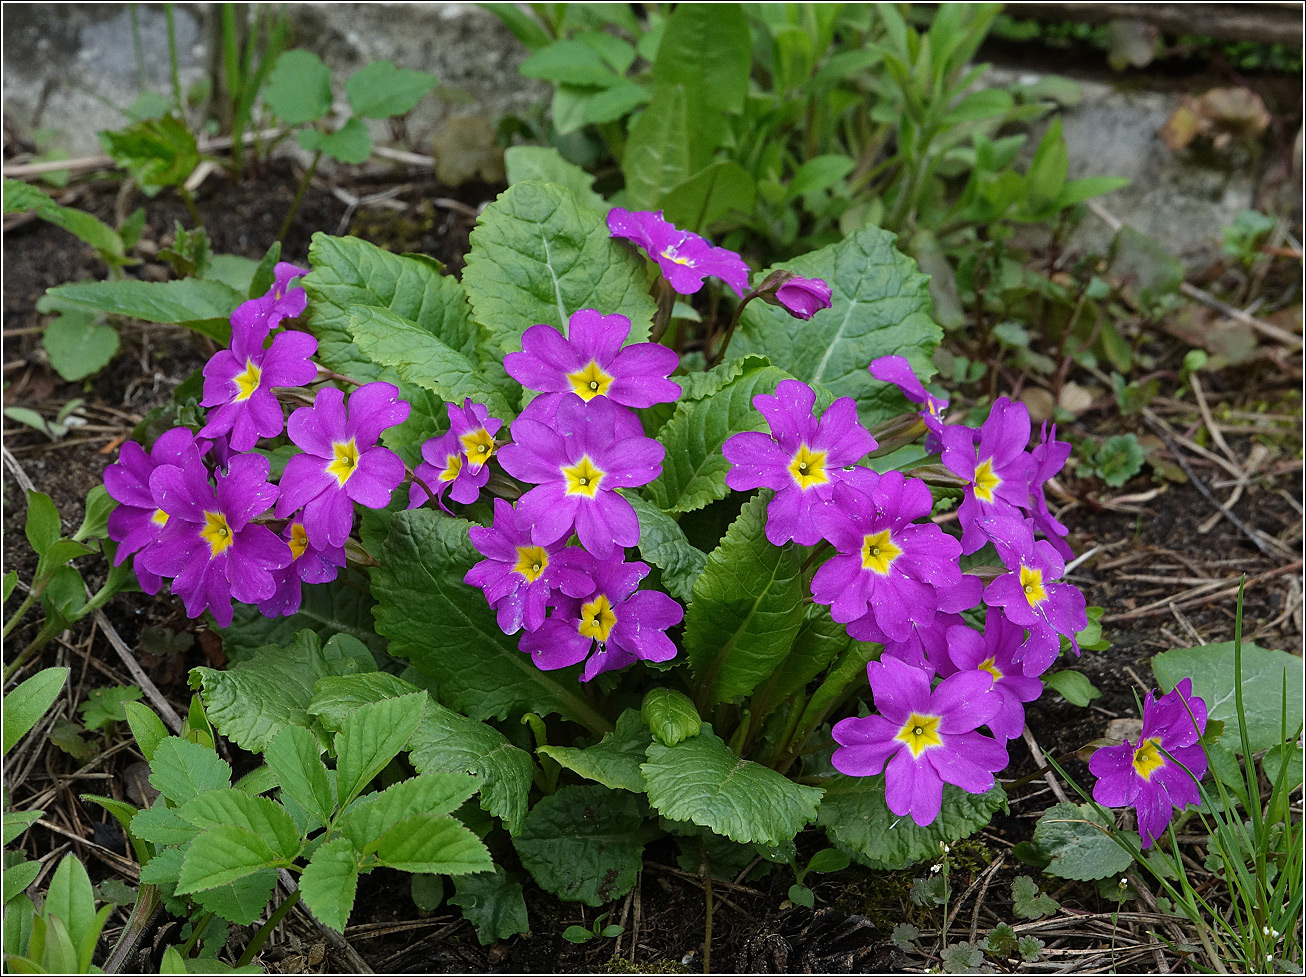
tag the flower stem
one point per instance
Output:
(730, 329)
(189, 201)
(666, 305)
(299, 197)
(18, 614)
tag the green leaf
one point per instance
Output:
(1079, 844)
(545, 163)
(523, 26)
(569, 62)
(200, 304)
(95, 523)
(670, 715)
(662, 542)
(10, 582)
(819, 173)
(879, 306)
(28, 701)
(1264, 672)
(583, 843)
(16, 822)
(828, 860)
(336, 696)
(1119, 459)
(615, 103)
(295, 757)
(370, 737)
(258, 815)
(371, 816)
(694, 470)
(299, 88)
(1028, 902)
(747, 609)
(493, 903)
(157, 153)
(147, 728)
(19, 877)
(71, 898)
(1074, 686)
(351, 143)
(701, 780)
(161, 825)
(800, 895)
(265, 274)
(710, 194)
(1046, 176)
(656, 158)
(330, 610)
(819, 642)
(1272, 763)
(537, 256)
(181, 769)
(242, 901)
(43, 527)
(379, 90)
(433, 843)
(446, 741)
(478, 669)
(613, 761)
(858, 821)
(220, 855)
(20, 196)
(329, 882)
(423, 360)
(107, 705)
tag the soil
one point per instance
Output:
(754, 929)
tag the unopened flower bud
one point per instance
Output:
(802, 298)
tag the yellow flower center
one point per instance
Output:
(808, 468)
(920, 733)
(590, 382)
(987, 666)
(986, 480)
(1031, 582)
(298, 540)
(1148, 758)
(671, 255)
(879, 552)
(583, 478)
(453, 464)
(216, 532)
(532, 561)
(160, 518)
(345, 463)
(247, 382)
(478, 446)
(597, 619)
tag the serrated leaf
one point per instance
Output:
(1028, 902)
(538, 256)
(329, 882)
(341, 607)
(880, 306)
(662, 542)
(747, 609)
(545, 163)
(371, 816)
(1079, 844)
(220, 855)
(295, 758)
(379, 90)
(299, 88)
(258, 815)
(446, 741)
(701, 780)
(656, 157)
(351, 143)
(433, 843)
(240, 902)
(28, 701)
(161, 825)
(78, 346)
(670, 716)
(157, 153)
(478, 669)
(583, 843)
(336, 696)
(856, 818)
(493, 903)
(613, 761)
(204, 305)
(107, 705)
(181, 769)
(370, 737)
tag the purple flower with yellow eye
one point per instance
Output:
(996, 468)
(996, 652)
(519, 578)
(625, 623)
(897, 371)
(341, 462)
(1029, 596)
(265, 313)
(684, 258)
(1048, 457)
(1161, 771)
(802, 459)
(577, 465)
(922, 739)
(308, 564)
(457, 461)
(238, 382)
(888, 565)
(209, 542)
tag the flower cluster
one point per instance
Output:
(200, 508)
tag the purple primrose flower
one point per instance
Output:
(1049, 457)
(802, 298)
(1142, 776)
(922, 739)
(577, 465)
(996, 468)
(457, 461)
(308, 564)
(802, 459)
(239, 381)
(995, 651)
(342, 463)
(685, 258)
(897, 371)
(265, 313)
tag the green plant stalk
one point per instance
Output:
(172, 59)
(49, 628)
(138, 47)
(233, 84)
(730, 329)
(23, 608)
(707, 925)
(299, 197)
(147, 906)
(189, 201)
(266, 929)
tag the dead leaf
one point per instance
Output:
(1075, 399)
(1040, 403)
(1221, 115)
(465, 149)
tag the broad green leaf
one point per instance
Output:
(615, 103)
(19, 877)
(16, 822)
(748, 606)
(422, 359)
(157, 153)
(371, 736)
(164, 867)
(662, 542)
(613, 761)
(1028, 902)
(242, 901)
(523, 26)
(71, 898)
(161, 825)
(433, 843)
(656, 157)
(329, 882)
(379, 90)
(371, 816)
(583, 844)
(341, 607)
(701, 780)
(336, 696)
(351, 143)
(220, 855)
(107, 705)
(879, 306)
(1046, 176)
(819, 173)
(569, 62)
(1073, 686)
(18, 913)
(263, 817)
(710, 194)
(694, 470)
(819, 642)
(538, 256)
(147, 728)
(295, 758)
(200, 304)
(545, 163)
(20, 196)
(447, 741)
(299, 88)
(670, 716)
(181, 769)
(43, 527)
(493, 903)
(856, 818)
(445, 628)
(1079, 843)
(29, 700)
